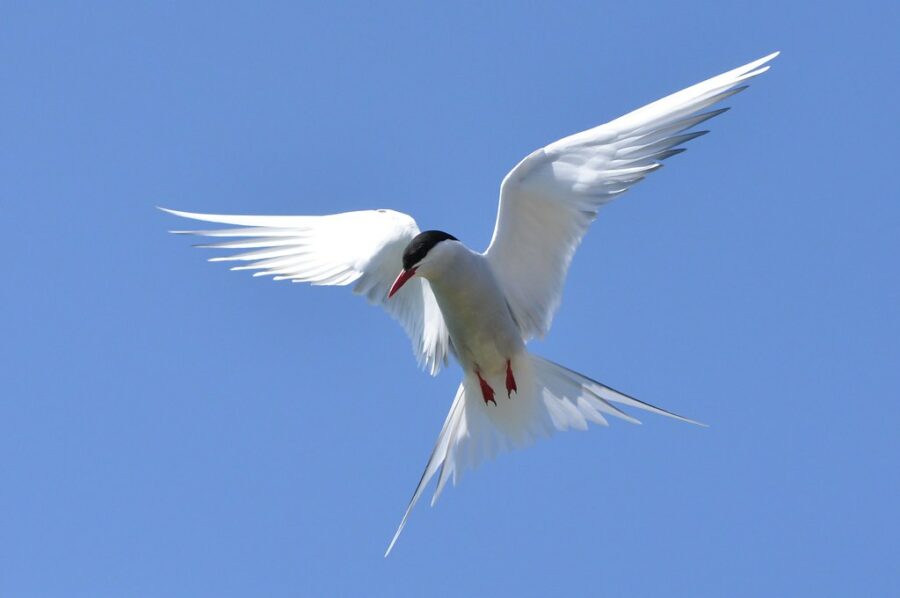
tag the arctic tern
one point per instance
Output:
(483, 307)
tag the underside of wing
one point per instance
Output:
(548, 201)
(362, 248)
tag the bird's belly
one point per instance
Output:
(485, 353)
(483, 333)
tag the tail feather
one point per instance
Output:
(550, 398)
(435, 461)
(605, 394)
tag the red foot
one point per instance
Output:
(510, 381)
(486, 391)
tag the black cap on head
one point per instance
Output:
(421, 244)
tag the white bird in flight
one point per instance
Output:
(483, 307)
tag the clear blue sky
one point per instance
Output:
(169, 428)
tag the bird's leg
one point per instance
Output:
(510, 381)
(486, 391)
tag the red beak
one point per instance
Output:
(401, 280)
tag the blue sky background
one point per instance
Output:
(169, 428)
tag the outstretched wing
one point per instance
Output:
(361, 248)
(551, 197)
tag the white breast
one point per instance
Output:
(478, 318)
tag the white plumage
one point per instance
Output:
(360, 248)
(553, 195)
(483, 307)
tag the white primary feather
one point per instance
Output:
(362, 248)
(551, 197)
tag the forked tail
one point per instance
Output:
(550, 398)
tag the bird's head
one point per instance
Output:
(420, 257)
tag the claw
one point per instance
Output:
(510, 381)
(486, 391)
